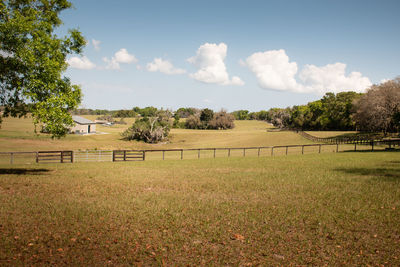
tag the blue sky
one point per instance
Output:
(230, 54)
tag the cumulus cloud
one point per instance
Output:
(209, 59)
(274, 70)
(332, 78)
(163, 66)
(96, 44)
(121, 56)
(82, 63)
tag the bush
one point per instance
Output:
(222, 121)
(193, 122)
(150, 129)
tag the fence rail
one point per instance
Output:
(141, 155)
(342, 139)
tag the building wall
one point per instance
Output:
(83, 128)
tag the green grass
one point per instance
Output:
(18, 135)
(328, 209)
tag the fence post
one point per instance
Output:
(258, 154)
(144, 155)
(37, 157)
(181, 153)
(337, 147)
(72, 156)
(244, 152)
(372, 145)
(62, 156)
(198, 154)
(287, 147)
(272, 151)
(214, 152)
(11, 158)
(302, 150)
(229, 152)
(124, 155)
(319, 149)
(355, 147)
(163, 154)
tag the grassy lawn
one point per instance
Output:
(328, 209)
(18, 135)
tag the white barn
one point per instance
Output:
(83, 126)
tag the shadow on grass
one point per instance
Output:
(23, 171)
(389, 173)
(370, 151)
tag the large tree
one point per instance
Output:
(379, 108)
(32, 61)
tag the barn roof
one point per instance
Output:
(81, 120)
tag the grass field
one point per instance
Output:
(312, 209)
(18, 135)
(328, 209)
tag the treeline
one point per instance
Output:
(378, 110)
(121, 113)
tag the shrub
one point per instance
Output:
(193, 122)
(222, 121)
(150, 129)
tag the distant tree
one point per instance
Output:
(185, 112)
(379, 108)
(193, 122)
(32, 60)
(206, 115)
(150, 129)
(222, 121)
(241, 114)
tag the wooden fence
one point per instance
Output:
(141, 155)
(341, 139)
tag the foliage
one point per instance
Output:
(332, 112)
(222, 121)
(32, 60)
(241, 114)
(210, 120)
(186, 112)
(206, 115)
(193, 122)
(150, 129)
(379, 108)
(124, 113)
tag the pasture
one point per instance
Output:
(17, 135)
(312, 209)
(332, 209)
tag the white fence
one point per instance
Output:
(93, 155)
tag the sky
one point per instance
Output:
(234, 55)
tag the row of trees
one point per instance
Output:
(377, 110)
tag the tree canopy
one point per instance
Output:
(32, 61)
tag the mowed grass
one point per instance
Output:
(18, 135)
(328, 209)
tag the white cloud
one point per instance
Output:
(274, 70)
(96, 44)
(163, 66)
(332, 78)
(121, 56)
(82, 63)
(209, 60)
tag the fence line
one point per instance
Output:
(134, 155)
(340, 139)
